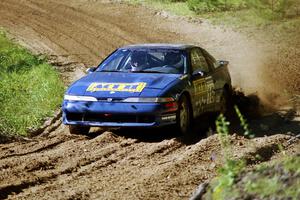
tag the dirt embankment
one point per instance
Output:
(118, 165)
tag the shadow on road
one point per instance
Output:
(203, 126)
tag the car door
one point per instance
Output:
(202, 82)
(219, 75)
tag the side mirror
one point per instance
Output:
(222, 63)
(90, 70)
(198, 73)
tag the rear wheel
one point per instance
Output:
(224, 102)
(79, 130)
(184, 117)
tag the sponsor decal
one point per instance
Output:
(168, 118)
(117, 87)
(204, 93)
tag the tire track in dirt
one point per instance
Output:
(106, 165)
(42, 27)
(90, 22)
(72, 32)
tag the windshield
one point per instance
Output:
(167, 61)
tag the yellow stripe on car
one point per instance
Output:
(117, 87)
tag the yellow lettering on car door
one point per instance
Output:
(210, 91)
(200, 94)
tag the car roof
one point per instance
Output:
(159, 46)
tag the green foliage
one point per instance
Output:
(267, 8)
(259, 186)
(30, 89)
(263, 186)
(280, 180)
(244, 124)
(264, 182)
(226, 179)
(231, 168)
(200, 6)
(223, 131)
(279, 8)
(292, 165)
(236, 12)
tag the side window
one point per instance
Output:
(211, 60)
(198, 61)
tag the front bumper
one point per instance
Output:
(117, 114)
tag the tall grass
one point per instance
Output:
(30, 89)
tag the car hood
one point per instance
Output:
(121, 85)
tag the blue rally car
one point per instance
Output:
(148, 85)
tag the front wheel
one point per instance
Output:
(79, 130)
(184, 116)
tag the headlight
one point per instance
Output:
(79, 98)
(148, 100)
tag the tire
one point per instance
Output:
(225, 102)
(184, 117)
(79, 130)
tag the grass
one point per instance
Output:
(254, 14)
(30, 89)
(238, 19)
(280, 180)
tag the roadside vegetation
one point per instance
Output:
(278, 180)
(30, 89)
(233, 12)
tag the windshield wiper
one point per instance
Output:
(146, 71)
(109, 71)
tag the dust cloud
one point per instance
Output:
(250, 65)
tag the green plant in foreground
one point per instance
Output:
(30, 89)
(280, 180)
(263, 182)
(223, 131)
(231, 168)
(243, 121)
(264, 186)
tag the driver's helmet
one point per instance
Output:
(138, 59)
(172, 58)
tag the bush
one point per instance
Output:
(30, 89)
(267, 8)
(200, 6)
(275, 8)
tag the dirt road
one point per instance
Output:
(113, 164)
